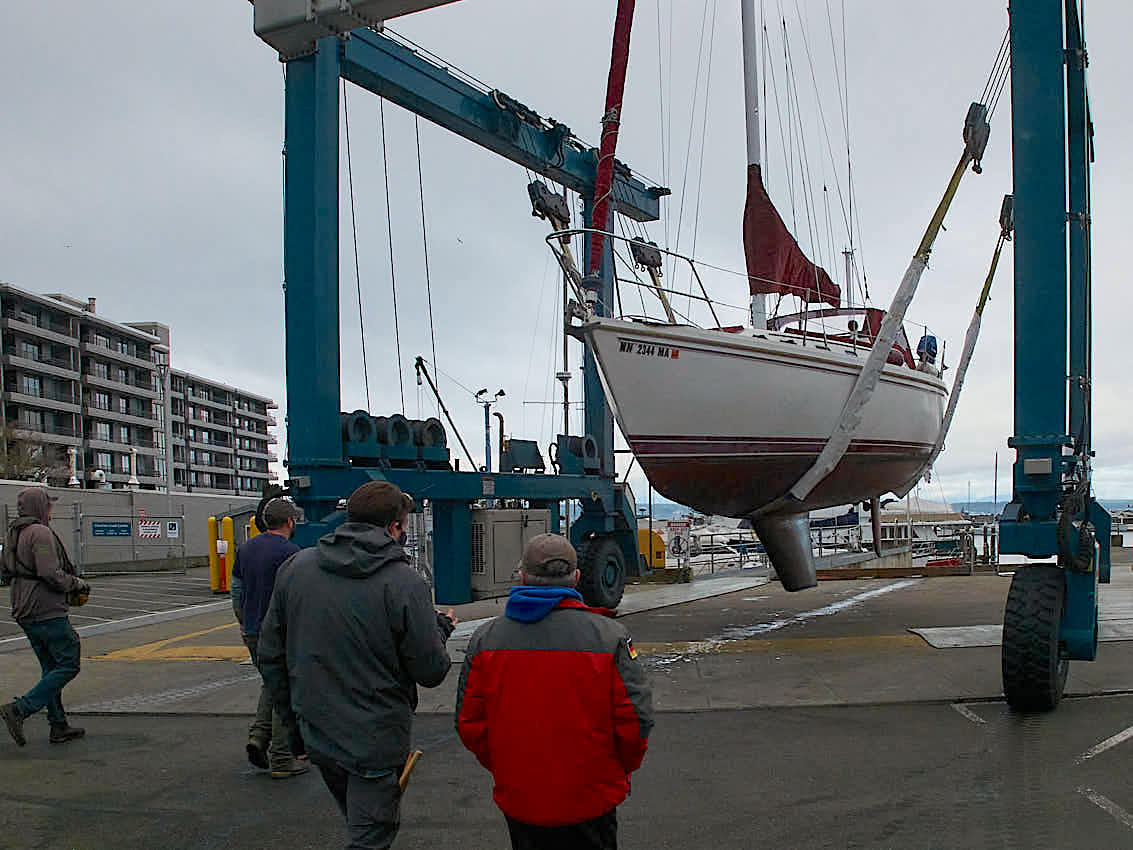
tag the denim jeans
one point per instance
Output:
(56, 645)
(267, 726)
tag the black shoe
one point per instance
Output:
(65, 732)
(14, 721)
(258, 753)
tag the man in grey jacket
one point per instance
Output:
(350, 633)
(43, 580)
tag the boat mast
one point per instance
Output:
(751, 119)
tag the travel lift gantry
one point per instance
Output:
(1051, 615)
(330, 453)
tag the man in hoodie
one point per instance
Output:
(253, 579)
(350, 633)
(551, 661)
(42, 578)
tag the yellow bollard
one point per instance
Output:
(253, 529)
(228, 534)
(214, 558)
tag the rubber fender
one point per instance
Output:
(429, 433)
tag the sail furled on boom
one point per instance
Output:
(611, 121)
(775, 262)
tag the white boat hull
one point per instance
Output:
(727, 423)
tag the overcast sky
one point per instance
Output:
(141, 165)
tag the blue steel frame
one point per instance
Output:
(1052, 142)
(318, 471)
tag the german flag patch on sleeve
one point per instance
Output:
(629, 646)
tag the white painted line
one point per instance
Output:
(966, 712)
(967, 637)
(1107, 805)
(652, 598)
(754, 630)
(140, 702)
(1107, 744)
(110, 626)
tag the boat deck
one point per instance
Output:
(813, 719)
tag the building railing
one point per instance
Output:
(58, 362)
(129, 382)
(39, 428)
(62, 330)
(66, 398)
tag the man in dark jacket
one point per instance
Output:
(552, 701)
(350, 633)
(253, 579)
(43, 579)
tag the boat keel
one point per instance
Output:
(786, 537)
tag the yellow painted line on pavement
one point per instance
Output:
(163, 650)
(859, 643)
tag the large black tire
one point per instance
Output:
(1034, 663)
(603, 569)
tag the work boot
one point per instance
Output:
(14, 721)
(258, 752)
(63, 732)
(294, 767)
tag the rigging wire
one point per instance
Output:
(392, 271)
(354, 229)
(425, 245)
(691, 123)
(703, 140)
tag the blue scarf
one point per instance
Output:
(529, 604)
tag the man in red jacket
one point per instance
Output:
(552, 663)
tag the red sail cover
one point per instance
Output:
(775, 262)
(611, 120)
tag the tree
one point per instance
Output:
(23, 458)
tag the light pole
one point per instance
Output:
(487, 401)
(163, 375)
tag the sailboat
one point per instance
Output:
(787, 415)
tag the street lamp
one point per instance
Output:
(487, 401)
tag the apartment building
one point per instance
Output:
(92, 392)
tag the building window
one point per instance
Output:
(123, 376)
(124, 434)
(124, 463)
(31, 419)
(101, 340)
(102, 461)
(29, 350)
(100, 431)
(101, 400)
(123, 404)
(29, 385)
(99, 369)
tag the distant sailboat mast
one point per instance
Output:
(751, 119)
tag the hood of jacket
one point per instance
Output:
(35, 503)
(358, 550)
(530, 604)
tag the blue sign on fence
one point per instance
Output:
(110, 529)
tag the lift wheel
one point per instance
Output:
(603, 571)
(1034, 663)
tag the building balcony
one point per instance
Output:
(115, 416)
(89, 346)
(255, 473)
(55, 333)
(124, 478)
(197, 398)
(210, 423)
(41, 366)
(64, 403)
(212, 447)
(144, 447)
(255, 435)
(131, 388)
(252, 414)
(45, 434)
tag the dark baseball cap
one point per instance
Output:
(549, 556)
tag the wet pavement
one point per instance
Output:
(814, 719)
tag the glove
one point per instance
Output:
(79, 596)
